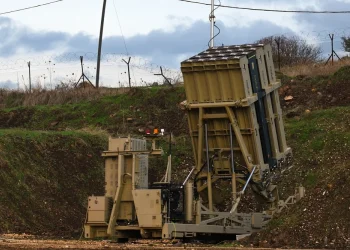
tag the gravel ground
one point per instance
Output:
(11, 241)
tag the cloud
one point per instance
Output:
(328, 21)
(322, 25)
(169, 47)
(16, 37)
(8, 85)
(164, 48)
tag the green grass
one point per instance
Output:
(311, 180)
(276, 223)
(321, 133)
(43, 174)
(142, 104)
(321, 144)
(318, 143)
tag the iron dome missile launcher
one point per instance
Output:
(238, 138)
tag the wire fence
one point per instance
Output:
(66, 65)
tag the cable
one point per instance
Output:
(32, 7)
(210, 17)
(272, 10)
(121, 31)
(215, 35)
(120, 27)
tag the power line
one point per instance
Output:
(272, 10)
(121, 31)
(120, 27)
(31, 7)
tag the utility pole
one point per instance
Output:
(212, 22)
(331, 36)
(82, 68)
(24, 83)
(17, 81)
(128, 63)
(100, 44)
(50, 74)
(83, 76)
(30, 79)
(332, 44)
(165, 78)
(278, 42)
(44, 80)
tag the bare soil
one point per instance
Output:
(9, 242)
(318, 129)
(313, 93)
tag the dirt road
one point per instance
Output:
(9, 242)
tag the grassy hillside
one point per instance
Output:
(316, 92)
(321, 147)
(50, 155)
(154, 106)
(45, 178)
(46, 175)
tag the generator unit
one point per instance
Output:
(238, 140)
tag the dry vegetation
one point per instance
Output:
(16, 98)
(288, 51)
(315, 69)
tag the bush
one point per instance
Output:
(293, 50)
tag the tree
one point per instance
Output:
(292, 50)
(346, 43)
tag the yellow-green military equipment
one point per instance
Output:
(128, 208)
(234, 117)
(238, 138)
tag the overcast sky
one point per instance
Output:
(157, 32)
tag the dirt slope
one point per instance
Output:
(318, 92)
(319, 133)
(45, 179)
(48, 168)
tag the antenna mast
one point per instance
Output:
(212, 21)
